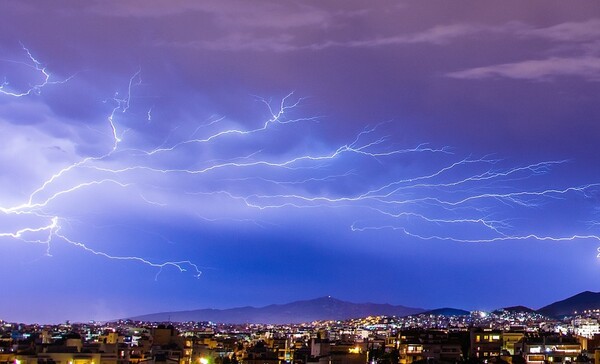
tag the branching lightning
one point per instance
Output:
(43, 73)
(463, 199)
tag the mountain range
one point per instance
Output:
(324, 308)
(583, 301)
(329, 308)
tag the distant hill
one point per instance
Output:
(583, 301)
(517, 309)
(324, 308)
(328, 308)
(447, 311)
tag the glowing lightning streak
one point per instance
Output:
(35, 89)
(276, 118)
(514, 197)
(121, 104)
(19, 233)
(511, 197)
(384, 200)
(490, 240)
(54, 228)
(178, 265)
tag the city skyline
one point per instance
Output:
(184, 155)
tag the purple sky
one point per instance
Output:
(420, 153)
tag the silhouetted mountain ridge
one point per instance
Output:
(582, 301)
(518, 309)
(323, 308)
(515, 309)
(329, 308)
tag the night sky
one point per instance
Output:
(171, 155)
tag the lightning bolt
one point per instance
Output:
(467, 193)
(34, 206)
(33, 89)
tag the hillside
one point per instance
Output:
(324, 308)
(583, 301)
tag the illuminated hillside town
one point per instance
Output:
(502, 336)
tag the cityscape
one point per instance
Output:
(509, 335)
(299, 182)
